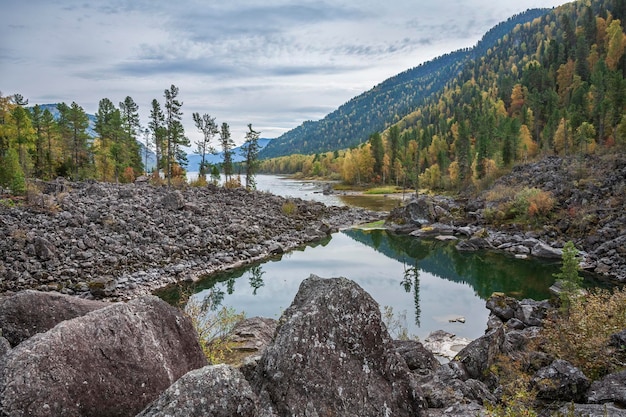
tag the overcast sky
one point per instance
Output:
(272, 63)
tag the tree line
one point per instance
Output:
(45, 142)
(555, 85)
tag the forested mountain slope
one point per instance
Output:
(553, 85)
(374, 110)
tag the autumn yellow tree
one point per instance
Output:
(616, 42)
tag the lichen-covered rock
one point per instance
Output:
(110, 362)
(29, 312)
(216, 391)
(419, 359)
(478, 356)
(332, 355)
(561, 381)
(611, 388)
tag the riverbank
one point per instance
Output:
(534, 211)
(114, 241)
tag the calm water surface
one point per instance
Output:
(426, 281)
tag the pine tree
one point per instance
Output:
(131, 126)
(227, 145)
(207, 126)
(175, 132)
(571, 281)
(250, 150)
(157, 127)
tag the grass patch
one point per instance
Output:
(383, 190)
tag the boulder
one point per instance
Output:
(419, 359)
(44, 249)
(542, 250)
(173, 201)
(561, 381)
(592, 410)
(618, 340)
(449, 386)
(445, 344)
(481, 354)
(216, 391)
(250, 337)
(5, 346)
(26, 313)
(473, 244)
(611, 388)
(332, 355)
(502, 306)
(110, 362)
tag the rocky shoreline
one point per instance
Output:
(588, 211)
(114, 241)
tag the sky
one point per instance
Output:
(271, 63)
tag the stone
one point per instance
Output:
(5, 346)
(611, 388)
(251, 336)
(531, 312)
(445, 344)
(592, 410)
(419, 359)
(473, 244)
(561, 381)
(332, 355)
(618, 340)
(44, 249)
(26, 313)
(216, 391)
(482, 353)
(111, 362)
(173, 201)
(543, 250)
(450, 385)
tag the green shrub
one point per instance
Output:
(582, 336)
(213, 324)
(289, 208)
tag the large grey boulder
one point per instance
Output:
(332, 355)
(111, 362)
(561, 381)
(481, 354)
(611, 388)
(216, 391)
(29, 312)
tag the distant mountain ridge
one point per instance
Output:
(389, 101)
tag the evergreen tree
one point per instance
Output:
(378, 152)
(571, 281)
(250, 150)
(157, 127)
(175, 132)
(207, 126)
(227, 145)
(73, 123)
(132, 126)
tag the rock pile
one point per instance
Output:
(329, 354)
(120, 241)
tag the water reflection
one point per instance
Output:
(428, 279)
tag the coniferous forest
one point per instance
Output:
(553, 85)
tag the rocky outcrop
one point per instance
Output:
(26, 313)
(332, 355)
(120, 241)
(216, 391)
(110, 362)
(589, 200)
(610, 389)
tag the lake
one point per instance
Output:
(428, 283)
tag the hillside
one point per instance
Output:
(376, 109)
